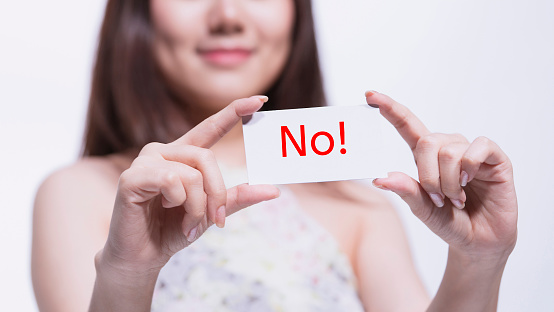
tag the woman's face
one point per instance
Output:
(214, 51)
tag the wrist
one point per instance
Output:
(471, 282)
(117, 289)
(478, 262)
(110, 267)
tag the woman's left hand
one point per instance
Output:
(465, 192)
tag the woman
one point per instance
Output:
(143, 210)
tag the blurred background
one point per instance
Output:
(471, 67)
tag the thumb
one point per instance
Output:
(410, 191)
(244, 195)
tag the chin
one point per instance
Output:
(216, 98)
(215, 89)
(225, 91)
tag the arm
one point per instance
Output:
(385, 267)
(168, 197)
(469, 284)
(386, 272)
(69, 226)
(117, 289)
(465, 195)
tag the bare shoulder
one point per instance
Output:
(71, 218)
(89, 182)
(90, 173)
(83, 169)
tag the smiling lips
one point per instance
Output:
(226, 57)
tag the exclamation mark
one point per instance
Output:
(341, 126)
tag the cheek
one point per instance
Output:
(178, 27)
(175, 27)
(168, 21)
(274, 24)
(181, 25)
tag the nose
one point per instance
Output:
(225, 17)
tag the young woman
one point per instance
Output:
(128, 226)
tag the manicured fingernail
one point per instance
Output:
(370, 93)
(278, 193)
(379, 186)
(220, 216)
(464, 177)
(437, 199)
(192, 234)
(262, 98)
(458, 203)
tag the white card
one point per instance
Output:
(313, 145)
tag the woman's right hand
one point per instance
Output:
(173, 192)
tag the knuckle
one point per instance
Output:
(207, 154)
(449, 153)
(509, 164)
(428, 179)
(170, 178)
(150, 148)
(506, 171)
(468, 160)
(402, 121)
(126, 177)
(218, 130)
(220, 192)
(238, 197)
(194, 177)
(429, 183)
(451, 191)
(483, 140)
(427, 142)
(140, 162)
(129, 187)
(197, 213)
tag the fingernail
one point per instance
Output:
(192, 234)
(458, 203)
(370, 93)
(220, 217)
(379, 186)
(262, 98)
(278, 193)
(464, 177)
(437, 199)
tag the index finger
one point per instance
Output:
(212, 129)
(406, 123)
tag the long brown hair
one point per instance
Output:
(130, 104)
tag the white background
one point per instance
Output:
(475, 67)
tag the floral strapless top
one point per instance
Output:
(269, 257)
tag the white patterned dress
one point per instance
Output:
(269, 257)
